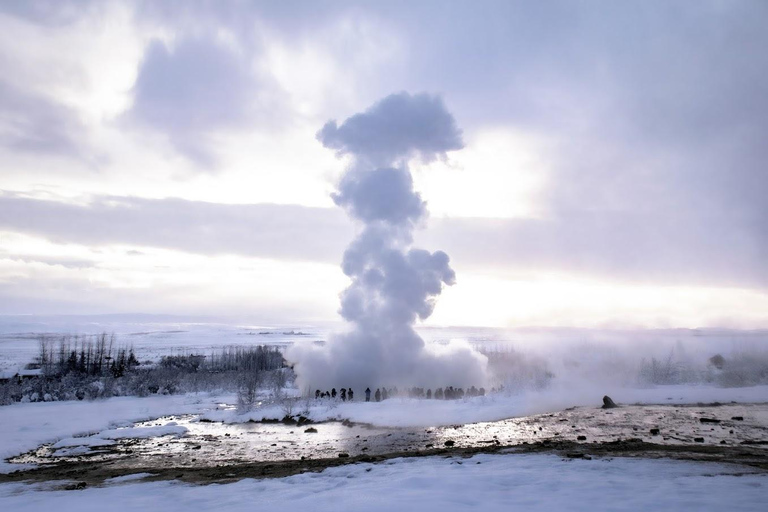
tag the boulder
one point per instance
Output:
(608, 403)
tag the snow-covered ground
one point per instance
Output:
(483, 482)
(24, 427)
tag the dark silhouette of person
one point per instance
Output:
(367, 394)
(350, 394)
(343, 394)
(317, 394)
(378, 395)
(333, 393)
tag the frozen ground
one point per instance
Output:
(483, 482)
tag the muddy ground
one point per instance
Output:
(215, 452)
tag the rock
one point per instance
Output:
(311, 430)
(430, 445)
(654, 431)
(76, 487)
(737, 418)
(698, 439)
(581, 438)
(575, 455)
(343, 455)
(608, 403)
(449, 443)
(709, 420)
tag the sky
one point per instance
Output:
(163, 157)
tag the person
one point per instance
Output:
(350, 394)
(333, 392)
(367, 394)
(343, 395)
(378, 395)
(317, 394)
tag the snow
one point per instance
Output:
(484, 482)
(86, 441)
(24, 427)
(170, 429)
(126, 478)
(406, 412)
(108, 437)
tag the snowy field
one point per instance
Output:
(483, 482)
(587, 365)
(24, 427)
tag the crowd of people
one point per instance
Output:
(449, 393)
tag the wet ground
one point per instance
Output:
(215, 452)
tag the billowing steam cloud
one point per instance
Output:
(393, 284)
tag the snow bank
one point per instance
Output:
(484, 482)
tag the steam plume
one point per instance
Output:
(393, 284)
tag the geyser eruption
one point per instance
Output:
(393, 284)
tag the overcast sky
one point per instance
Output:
(162, 157)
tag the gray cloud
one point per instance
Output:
(650, 247)
(34, 125)
(264, 230)
(190, 90)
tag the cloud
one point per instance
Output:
(398, 127)
(293, 233)
(654, 248)
(192, 89)
(34, 125)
